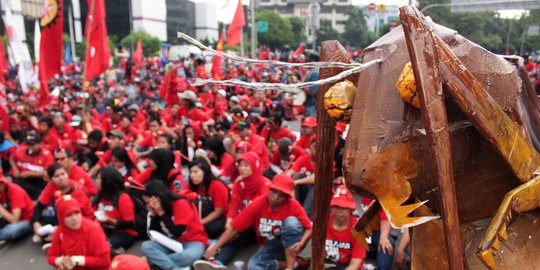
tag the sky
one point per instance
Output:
(225, 8)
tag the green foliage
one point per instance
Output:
(326, 31)
(488, 29)
(386, 27)
(298, 29)
(150, 44)
(356, 32)
(279, 33)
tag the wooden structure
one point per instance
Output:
(471, 151)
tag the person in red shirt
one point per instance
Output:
(131, 133)
(308, 125)
(176, 218)
(382, 242)
(230, 173)
(285, 155)
(211, 197)
(274, 130)
(28, 165)
(49, 140)
(16, 208)
(245, 133)
(59, 184)
(78, 243)
(281, 224)
(189, 112)
(121, 161)
(62, 129)
(342, 250)
(115, 210)
(161, 167)
(115, 139)
(75, 172)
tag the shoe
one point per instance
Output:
(302, 263)
(208, 265)
(46, 247)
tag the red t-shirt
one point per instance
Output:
(18, 199)
(51, 192)
(267, 222)
(194, 115)
(50, 141)
(341, 246)
(304, 164)
(106, 158)
(282, 133)
(296, 153)
(148, 141)
(79, 175)
(124, 212)
(35, 163)
(304, 142)
(240, 199)
(144, 177)
(185, 213)
(131, 134)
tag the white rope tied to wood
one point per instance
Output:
(292, 88)
(269, 62)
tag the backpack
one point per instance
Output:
(135, 192)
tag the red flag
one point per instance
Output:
(216, 62)
(138, 55)
(167, 90)
(97, 53)
(234, 35)
(50, 45)
(299, 50)
(4, 107)
(3, 64)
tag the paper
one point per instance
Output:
(165, 241)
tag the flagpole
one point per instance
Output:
(71, 33)
(253, 28)
(242, 42)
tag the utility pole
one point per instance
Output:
(253, 27)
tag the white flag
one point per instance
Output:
(20, 52)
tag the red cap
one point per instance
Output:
(243, 145)
(343, 198)
(283, 183)
(128, 261)
(340, 126)
(309, 122)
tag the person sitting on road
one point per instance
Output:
(16, 208)
(176, 218)
(281, 224)
(78, 243)
(161, 167)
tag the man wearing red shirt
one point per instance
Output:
(75, 172)
(282, 227)
(16, 208)
(342, 250)
(189, 112)
(274, 130)
(246, 134)
(49, 140)
(308, 125)
(29, 163)
(62, 129)
(131, 133)
(285, 155)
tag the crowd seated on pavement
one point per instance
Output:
(194, 173)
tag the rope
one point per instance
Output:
(269, 62)
(292, 88)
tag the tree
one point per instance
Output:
(151, 44)
(298, 29)
(326, 31)
(279, 30)
(356, 32)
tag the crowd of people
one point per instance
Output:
(195, 173)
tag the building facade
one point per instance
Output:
(379, 15)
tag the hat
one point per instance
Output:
(133, 107)
(309, 122)
(235, 99)
(243, 125)
(129, 262)
(32, 139)
(75, 121)
(115, 133)
(189, 95)
(283, 183)
(243, 145)
(284, 145)
(343, 198)
(222, 92)
(236, 109)
(255, 112)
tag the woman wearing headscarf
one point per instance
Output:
(115, 208)
(176, 218)
(78, 243)
(161, 167)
